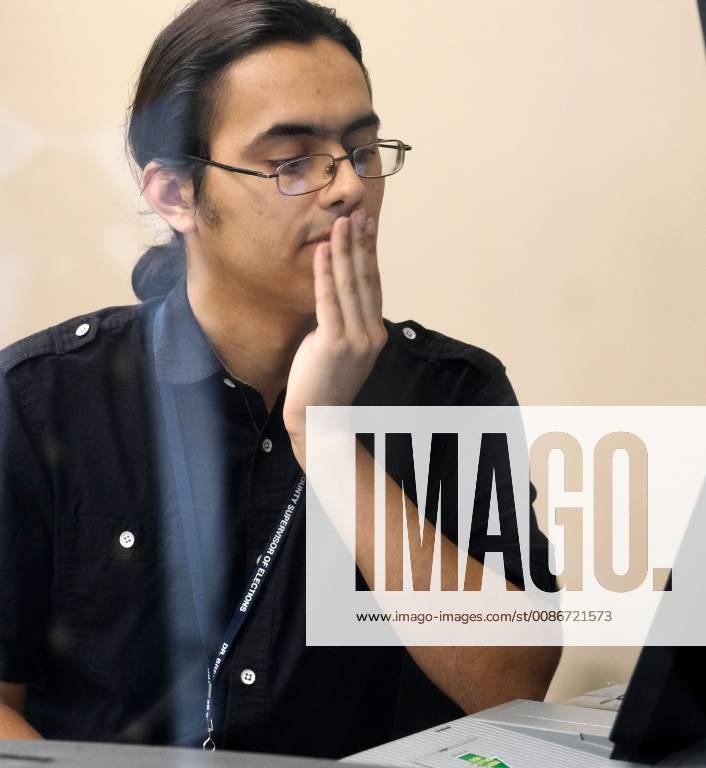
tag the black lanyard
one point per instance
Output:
(192, 537)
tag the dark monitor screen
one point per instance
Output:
(664, 707)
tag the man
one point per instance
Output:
(272, 302)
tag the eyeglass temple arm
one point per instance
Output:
(406, 147)
(232, 168)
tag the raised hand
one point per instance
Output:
(334, 360)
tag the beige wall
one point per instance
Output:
(552, 209)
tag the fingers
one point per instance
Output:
(347, 285)
(328, 312)
(358, 277)
(365, 265)
(344, 273)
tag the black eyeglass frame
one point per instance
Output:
(334, 162)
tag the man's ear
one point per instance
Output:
(170, 195)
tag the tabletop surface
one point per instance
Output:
(60, 754)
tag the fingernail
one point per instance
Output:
(359, 218)
(370, 227)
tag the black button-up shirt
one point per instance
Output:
(97, 611)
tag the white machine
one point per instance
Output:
(523, 734)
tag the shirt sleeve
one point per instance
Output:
(493, 388)
(25, 548)
(497, 390)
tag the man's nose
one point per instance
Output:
(346, 187)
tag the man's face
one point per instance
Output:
(260, 239)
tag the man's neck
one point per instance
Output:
(255, 343)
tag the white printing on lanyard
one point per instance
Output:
(247, 601)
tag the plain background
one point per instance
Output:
(552, 209)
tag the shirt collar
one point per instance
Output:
(182, 351)
(183, 354)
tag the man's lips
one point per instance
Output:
(321, 239)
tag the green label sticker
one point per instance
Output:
(483, 762)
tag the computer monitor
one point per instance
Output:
(664, 706)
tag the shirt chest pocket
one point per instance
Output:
(126, 593)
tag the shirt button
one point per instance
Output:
(247, 677)
(229, 383)
(267, 445)
(127, 539)
(409, 332)
(83, 329)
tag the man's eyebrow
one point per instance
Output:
(311, 129)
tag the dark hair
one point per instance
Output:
(177, 98)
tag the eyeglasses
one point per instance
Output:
(302, 175)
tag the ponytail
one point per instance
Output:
(159, 268)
